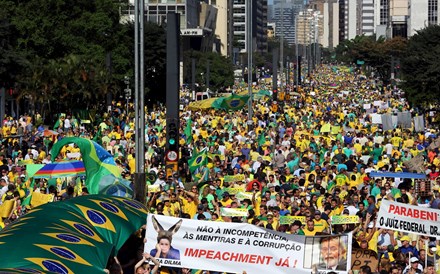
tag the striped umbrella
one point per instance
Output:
(61, 169)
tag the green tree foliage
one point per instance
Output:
(377, 54)
(221, 69)
(420, 69)
(58, 48)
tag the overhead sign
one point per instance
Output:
(191, 32)
(408, 218)
(229, 247)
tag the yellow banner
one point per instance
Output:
(40, 199)
(6, 208)
(234, 178)
(344, 219)
(154, 188)
(234, 212)
(287, 220)
(233, 190)
(244, 195)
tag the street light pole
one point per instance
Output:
(249, 52)
(282, 46)
(139, 179)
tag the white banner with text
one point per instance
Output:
(408, 218)
(238, 247)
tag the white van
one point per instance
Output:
(202, 96)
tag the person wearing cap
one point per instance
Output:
(168, 208)
(406, 248)
(321, 225)
(226, 200)
(413, 266)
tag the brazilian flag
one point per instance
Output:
(198, 160)
(234, 102)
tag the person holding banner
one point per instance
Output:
(407, 248)
(143, 266)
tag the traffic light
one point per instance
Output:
(172, 136)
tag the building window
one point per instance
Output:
(384, 12)
(432, 12)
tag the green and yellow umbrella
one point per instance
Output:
(73, 236)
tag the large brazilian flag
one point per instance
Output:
(233, 102)
(74, 236)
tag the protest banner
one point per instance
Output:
(233, 178)
(153, 188)
(408, 218)
(232, 247)
(344, 219)
(233, 190)
(361, 257)
(287, 220)
(244, 195)
(234, 212)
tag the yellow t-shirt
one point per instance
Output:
(189, 207)
(307, 232)
(320, 225)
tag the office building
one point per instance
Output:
(422, 13)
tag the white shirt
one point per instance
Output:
(352, 210)
(3, 190)
(159, 182)
(67, 123)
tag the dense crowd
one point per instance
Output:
(309, 155)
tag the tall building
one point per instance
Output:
(422, 13)
(259, 26)
(309, 26)
(399, 18)
(328, 21)
(224, 26)
(366, 13)
(283, 15)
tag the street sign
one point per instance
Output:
(171, 156)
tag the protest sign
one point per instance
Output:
(233, 190)
(234, 212)
(244, 195)
(434, 144)
(233, 178)
(232, 247)
(361, 257)
(153, 188)
(408, 218)
(287, 220)
(416, 163)
(344, 219)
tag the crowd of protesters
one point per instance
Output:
(309, 153)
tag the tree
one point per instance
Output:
(420, 69)
(221, 69)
